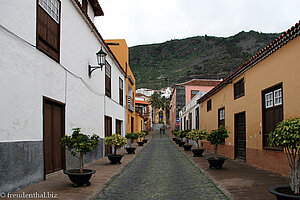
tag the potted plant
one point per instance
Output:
(115, 140)
(146, 133)
(175, 132)
(141, 135)
(182, 135)
(287, 136)
(188, 137)
(197, 136)
(82, 144)
(132, 137)
(217, 137)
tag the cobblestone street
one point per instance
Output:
(161, 171)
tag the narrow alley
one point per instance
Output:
(161, 171)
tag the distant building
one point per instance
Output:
(182, 93)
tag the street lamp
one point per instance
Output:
(101, 61)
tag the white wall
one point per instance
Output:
(27, 75)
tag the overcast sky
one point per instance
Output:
(155, 21)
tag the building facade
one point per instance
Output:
(182, 93)
(253, 99)
(46, 47)
(190, 114)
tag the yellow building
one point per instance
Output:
(250, 101)
(120, 50)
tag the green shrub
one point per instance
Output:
(217, 137)
(115, 140)
(80, 143)
(287, 135)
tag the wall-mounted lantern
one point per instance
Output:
(101, 62)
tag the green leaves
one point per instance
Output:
(197, 134)
(80, 142)
(115, 140)
(218, 136)
(286, 134)
(132, 136)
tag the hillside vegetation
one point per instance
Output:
(159, 65)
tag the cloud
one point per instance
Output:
(145, 22)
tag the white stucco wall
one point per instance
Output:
(27, 75)
(190, 107)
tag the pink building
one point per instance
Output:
(183, 92)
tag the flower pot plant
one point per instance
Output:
(82, 144)
(141, 135)
(175, 132)
(146, 133)
(187, 146)
(115, 140)
(182, 134)
(132, 137)
(287, 136)
(217, 137)
(197, 136)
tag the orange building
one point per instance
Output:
(120, 50)
(249, 102)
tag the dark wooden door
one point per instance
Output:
(132, 124)
(118, 126)
(240, 136)
(272, 110)
(53, 120)
(108, 132)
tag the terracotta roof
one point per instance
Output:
(141, 102)
(140, 95)
(97, 32)
(202, 82)
(283, 39)
(96, 7)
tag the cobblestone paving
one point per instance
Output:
(161, 171)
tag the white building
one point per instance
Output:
(190, 114)
(46, 47)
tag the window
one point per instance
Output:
(208, 105)
(48, 28)
(269, 99)
(121, 91)
(107, 80)
(277, 97)
(193, 93)
(221, 117)
(84, 5)
(239, 90)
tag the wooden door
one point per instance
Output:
(132, 124)
(53, 120)
(240, 135)
(118, 127)
(108, 132)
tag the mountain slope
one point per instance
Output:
(159, 65)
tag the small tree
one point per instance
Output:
(115, 140)
(217, 137)
(198, 135)
(287, 135)
(81, 143)
(188, 136)
(132, 136)
(141, 135)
